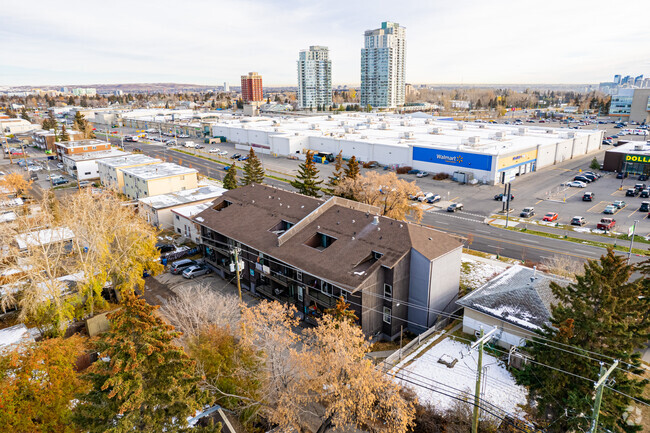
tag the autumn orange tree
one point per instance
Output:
(14, 184)
(144, 382)
(37, 383)
(386, 191)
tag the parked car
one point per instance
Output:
(414, 171)
(235, 156)
(454, 207)
(499, 197)
(424, 197)
(222, 153)
(195, 271)
(620, 204)
(422, 174)
(59, 165)
(606, 224)
(214, 150)
(610, 209)
(631, 192)
(180, 265)
(643, 177)
(527, 212)
(243, 158)
(640, 187)
(645, 193)
(577, 184)
(584, 179)
(588, 196)
(84, 183)
(165, 248)
(591, 173)
(645, 206)
(59, 181)
(578, 221)
(434, 198)
(550, 217)
(590, 176)
(621, 175)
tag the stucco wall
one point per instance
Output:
(509, 335)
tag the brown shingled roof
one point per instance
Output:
(256, 209)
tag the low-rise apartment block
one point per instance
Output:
(309, 252)
(156, 179)
(85, 166)
(46, 140)
(110, 169)
(77, 147)
(157, 209)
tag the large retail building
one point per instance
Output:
(632, 158)
(488, 153)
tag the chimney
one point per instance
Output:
(375, 220)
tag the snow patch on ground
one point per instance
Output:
(474, 273)
(500, 387)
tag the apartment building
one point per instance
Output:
(631, 105)
(251, 87)
(158, 210)
(156, 179)
(310, 252)
(46, 140)
(85, 166)
(110, 169)
(314, 78)
(76, 147)
(383, 61)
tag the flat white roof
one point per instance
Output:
(99, 154)
(43, 237)
(631, 146)
(14, 335)
(409, 130)
(80, 143)
(183, 197)
(156, 171)
(129, 159)
(191, 210)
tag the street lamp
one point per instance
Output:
(633, 230)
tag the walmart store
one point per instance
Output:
(632, 158)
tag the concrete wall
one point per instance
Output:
(563, 150)
(509, 335)
(546, 155)
(639, 110)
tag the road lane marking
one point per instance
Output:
(531, 240)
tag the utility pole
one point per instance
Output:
(479, 369)
(237, 272)
(599, 386)
(629, 254)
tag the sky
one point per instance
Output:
(70, 42)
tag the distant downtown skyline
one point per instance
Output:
(503, 41)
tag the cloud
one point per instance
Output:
(209, 42)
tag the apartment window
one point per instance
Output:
(376, 255)
(178, 230)
(344, 294)
(299, 276)
(388, 291)
(326, 288)
(300, 293)
(177, 217)
(387, 315)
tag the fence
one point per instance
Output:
(415, 343)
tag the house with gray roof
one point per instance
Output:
(309, 252)
(517, 302)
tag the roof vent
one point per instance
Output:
(375, 220)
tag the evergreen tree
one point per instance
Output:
(595, 165)
(25, 115)
(307, 180)
(602, 313)
(337, 174)
(352, 170)
(71, 100)
(230, 179)
(147, 383)
(253, 170)
(64, 134)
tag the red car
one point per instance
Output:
(551, 216)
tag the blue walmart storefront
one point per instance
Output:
(450, 161)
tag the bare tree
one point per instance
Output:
(198, 307)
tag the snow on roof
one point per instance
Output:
(191, 210)
(183, 197)
(521, 296)
(6, 217)
(99, 154)
(43, 237)
(156, 171)
(11, 202)
(14, 335)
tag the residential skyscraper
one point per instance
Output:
(638, 81)
(382, 66)
(314, 77)
(251, 87)
(617, 79)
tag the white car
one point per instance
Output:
(215, 150)
(577, 184)
(34, 168)
(222, 153)
(422, 174)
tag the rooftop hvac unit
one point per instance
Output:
(277, 129)
(481, 125)
(343, 123)
(638, 147)
(474, 140)
(460, 126)
(364, 137)
(550, 131)
(330, 117)
(405, 123)
(523, 130)
(500, 135)
(313, 126)
(383, 125)
(428, 121)
(349, 130)
(436, 130)
(408, 135)
(571, 134)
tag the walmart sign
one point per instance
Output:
(448, 157)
